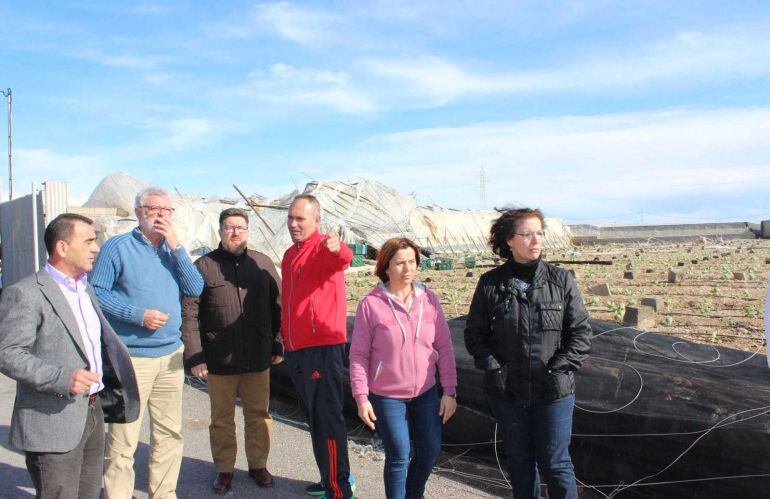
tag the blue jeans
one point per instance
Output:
(405, 478)
(536, 438)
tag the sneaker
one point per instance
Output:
(317, 489)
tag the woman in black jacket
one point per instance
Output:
(528, 330)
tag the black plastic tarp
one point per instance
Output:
(657, 416)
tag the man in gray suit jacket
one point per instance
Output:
(72, 371)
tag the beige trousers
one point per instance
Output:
(254, 391)
(161, 381)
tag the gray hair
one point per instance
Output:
(147, 192)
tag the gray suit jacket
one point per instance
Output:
(40, 347)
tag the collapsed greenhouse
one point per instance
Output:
(364, 211)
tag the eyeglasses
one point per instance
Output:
(235, 228)
(153, 208)
(529, 235)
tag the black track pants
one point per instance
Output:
(317, 376)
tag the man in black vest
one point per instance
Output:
(230, 339)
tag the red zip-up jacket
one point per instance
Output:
(313, 294)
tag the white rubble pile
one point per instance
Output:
(362, 211)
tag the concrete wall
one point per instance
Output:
(591, 234)
(21, 229)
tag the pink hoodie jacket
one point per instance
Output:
(394, 351)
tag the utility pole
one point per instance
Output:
(9, 96)
(483, 188)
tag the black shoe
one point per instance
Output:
(263, 477)
(223, 483)
(317, 489)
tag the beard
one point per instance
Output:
(235, 247)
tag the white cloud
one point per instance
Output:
(123, 61)
(187, 132)
(157, 78)
(289, 22)
(580, 163)
(150, 9)
(284, 84)
(430, 81)
(81, 172)
(684, 59)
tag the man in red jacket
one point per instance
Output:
(314, 333)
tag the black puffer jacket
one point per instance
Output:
(232, 325)
(538, 338)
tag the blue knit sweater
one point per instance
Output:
(131, 276)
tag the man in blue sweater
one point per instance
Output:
(140, 278)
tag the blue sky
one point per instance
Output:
(595, 111)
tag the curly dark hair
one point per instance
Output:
(505, 226)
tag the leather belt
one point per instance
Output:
(92, 399)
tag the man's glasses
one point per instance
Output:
(153, 209)
(529, 235)
(235, 228)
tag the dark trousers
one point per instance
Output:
(536, 438)
(76, 474)
(405, 478)
(317, 376)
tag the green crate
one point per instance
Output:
(358, 261)
(470, 261)
(444, 265)
(358, 248)
(426, 263)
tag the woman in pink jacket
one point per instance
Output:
(399, 339)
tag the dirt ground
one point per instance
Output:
(710, 305)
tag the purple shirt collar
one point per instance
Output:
(60, 277)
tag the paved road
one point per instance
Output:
(290, 461)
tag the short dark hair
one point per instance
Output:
(232, 212)
(388, 251)
(505, 226)
(60, 229)
(310, 199)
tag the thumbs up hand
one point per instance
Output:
(332, 242)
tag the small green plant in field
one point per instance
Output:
(705, 309)
(453, 296)
(746, 293)
(618, 309)
(713, 337)
(714, 291)
(668, 302)
(752, 311)
(593, 300)
(668, 321)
